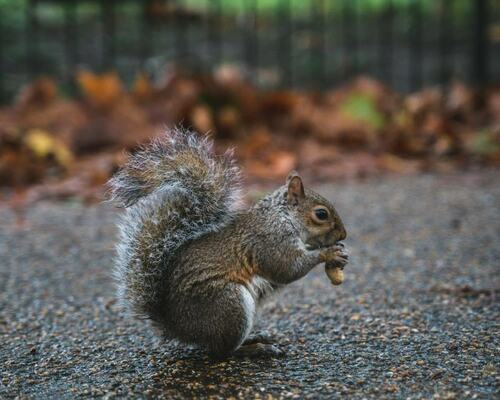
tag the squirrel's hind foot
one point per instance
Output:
(259, 337)
(259, 350)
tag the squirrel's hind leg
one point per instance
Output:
(243, 344)
(231, 322)
(259, 343)
(223, 325)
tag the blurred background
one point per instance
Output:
(337, 88)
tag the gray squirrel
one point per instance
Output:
(197, 265)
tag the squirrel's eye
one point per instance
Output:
(321, 214)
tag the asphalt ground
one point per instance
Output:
(417, 317)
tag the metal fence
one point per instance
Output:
(280, 43)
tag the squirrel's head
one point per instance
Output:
(320, 219)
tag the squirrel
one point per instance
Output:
(196, 264)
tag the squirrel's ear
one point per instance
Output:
(295, 188)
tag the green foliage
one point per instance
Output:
(12, 12)
(14, 9)
(361, 107)
(300, 7)
(485, 143)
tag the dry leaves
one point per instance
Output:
(356, 130)
(100, 91)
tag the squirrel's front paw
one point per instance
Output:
(335, 255)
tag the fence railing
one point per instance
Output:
(280, 43)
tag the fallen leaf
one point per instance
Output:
(100, 91)
(142, 89)
(44, 146)
(39, 93)
(202, 120)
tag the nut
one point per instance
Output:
(335, 274)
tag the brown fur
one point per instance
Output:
(194, 265)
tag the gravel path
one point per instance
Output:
(418, 315)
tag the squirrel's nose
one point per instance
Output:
(343, 234)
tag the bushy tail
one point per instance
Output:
(175, 189)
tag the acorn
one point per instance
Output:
(335, 274)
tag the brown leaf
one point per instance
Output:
(44, 146)
(258, 141)
(277, 165)
(460, 100)
(100, 91)
(228, 120)
(493, 106)
(123, 126)
(202, 120)
(278, 103)
(426, 100)
(392, 163)
(142, 89)
(313, 153)
(39, 93)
